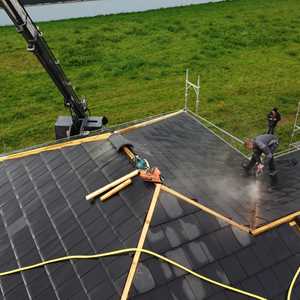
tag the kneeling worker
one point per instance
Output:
(267, 144)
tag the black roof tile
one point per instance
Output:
(104, 238)
(253, 285)
(290, 237)
(227, 240)
(19, 292)
(212, 247)
(158, 293)
(128, 228)
(30, 257)
(215, 272)
(37, 287)
(158, 240)
(220, 296)
(180, 257)
(103, 291)
(197, 253)
(61, 273)
(283, 274)
(119, 266)
(10, 283)
(249, 261)
(52, 249)
(270, 249)
(181, 289)
(144, 279)
(69, 287)
(45, 215)
(94, 277)
(47, 294)
(160, 216)
(161, 271)
(235, 271)
(269, 282)
(200, 288)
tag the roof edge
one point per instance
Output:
(94, 138)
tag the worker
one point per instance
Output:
(267, 144)
(273, 118)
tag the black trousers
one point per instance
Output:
(256, 159)
(271, 127)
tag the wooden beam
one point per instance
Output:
(115, 190)
(149, 122)
(128, 152)
(206, 209)
(253, 217)
(141, 242)
(111, 185)
(275, 223)
(94, 138)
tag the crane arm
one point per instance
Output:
(38, 45)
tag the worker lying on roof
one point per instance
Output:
(267, 144)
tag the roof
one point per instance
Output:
(44, 215)
(197, 163)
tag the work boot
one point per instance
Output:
(273, 173)
(246, 168)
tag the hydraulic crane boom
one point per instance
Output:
(80, 120)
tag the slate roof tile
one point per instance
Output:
(235, 271)
(253, 285)
(104, 291)
(94, 277)
(212, 247)
(283, 274)
(249, 261)
(197, 253)
(69, 287)
(44, 215)
(47, 294)
(10, 283)
(200, 288)
(18, 292)
(269, 282)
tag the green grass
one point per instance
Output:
(131, 66)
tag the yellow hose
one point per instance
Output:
(292, 284)
(123, 251)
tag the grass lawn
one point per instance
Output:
(130, 66)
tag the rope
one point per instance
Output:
(292, 284)
(128, 250)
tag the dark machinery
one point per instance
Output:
(79, 122)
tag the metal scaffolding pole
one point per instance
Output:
(196, 88)
(296, 128)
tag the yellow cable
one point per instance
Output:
(292, 284)
(123, 251)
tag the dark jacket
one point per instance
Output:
(273, 119)
(267, 144)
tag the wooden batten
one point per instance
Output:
(115, 190)
(141, 242)
(111, 185)
(206, 209)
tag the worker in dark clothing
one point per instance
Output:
(273, 118)
(267, 144)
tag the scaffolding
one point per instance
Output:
(296, 128)
(196, 88)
